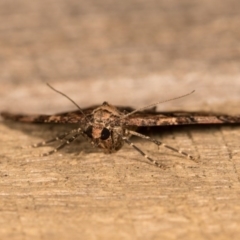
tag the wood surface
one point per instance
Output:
(128, 53)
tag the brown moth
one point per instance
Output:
(109, 127)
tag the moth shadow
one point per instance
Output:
(49, 131)
(45, 132)
(168, 134)
(204, 128)
(175, 129)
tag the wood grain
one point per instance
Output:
(128, 53)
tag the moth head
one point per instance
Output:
(106, 138)
(98, 133)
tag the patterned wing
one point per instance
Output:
(147, 118)
(70, 117)
(179, 118)
(66, 117)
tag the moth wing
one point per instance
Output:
(68, 117)
(179, 118)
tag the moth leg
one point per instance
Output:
(158, 143)
(66, 142)
(58, 138)
(144, 154)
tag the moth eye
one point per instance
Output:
(88, 132)
(105, 134)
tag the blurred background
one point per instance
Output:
(129, 52)
(126, 52)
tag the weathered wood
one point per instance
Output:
(156, 48)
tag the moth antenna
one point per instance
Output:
(67, 98)
(155, 104)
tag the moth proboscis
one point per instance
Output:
(109, 127)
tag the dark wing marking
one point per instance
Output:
(179, 118)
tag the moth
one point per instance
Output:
(108, 127)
